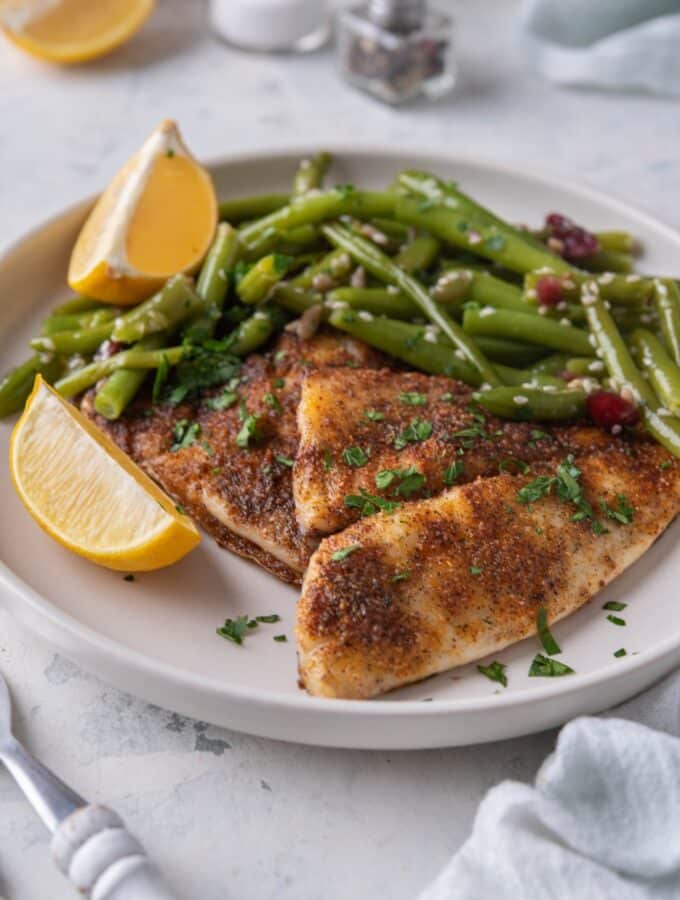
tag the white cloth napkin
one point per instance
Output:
(601, 822)
(616, 44)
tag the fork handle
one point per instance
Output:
(103, 860)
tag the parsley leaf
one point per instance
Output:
(623, 513)
(513, 466)
(401, 576)
(369, 503)
(272, 402)
(475, 570)
(249, 429)
(550, 645)
(222, 401)
(374, 415)
(547, 667)
(328, 463)
(274, 617)
(453, 472)
(410, 480)
(615, 620)
(201, 368)
(280, 638)
(284, 460)
(234, 630)
(355, 456)
(495, 671)
(614, 605)
(536, 489)
(417, 431)
(412, 398)
(185, 433)
(343, 553)
(621, 652)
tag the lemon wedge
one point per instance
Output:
(87, 495)
(72, 31)
(157, 218)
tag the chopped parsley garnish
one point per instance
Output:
(128, 577)
(409, 480)
(208, 449)
(567, 487)
(355, 456)
(513, 466)
(369, 503)
(281, 262)
(274, 617)
(468, 436)
(343, 553)
(278, 383)
(447, 397)
(621, 652)
(495, 671)
(549, 643)
(535, 489)
(453, 472)
(475, 570)
(614, 606)
(412, 398)
(234, 630)
(170, 153)
(272, 402)
(548, 667)
(201, 368)
(280, 355)
(222, 401)
(665, 465)
(180, 509)
(249, 429)
(374, 415)
(184, 434)
(327, 461)
(280, 638)
(285, 460)
(401, 576)
(160, 378)
(538, 435)
(615, 620)
(623, 512)
(418, 430)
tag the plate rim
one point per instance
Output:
(140, 664)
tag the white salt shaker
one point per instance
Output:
(297, 26)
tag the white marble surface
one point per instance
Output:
(228, 815)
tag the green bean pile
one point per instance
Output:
(420, 271)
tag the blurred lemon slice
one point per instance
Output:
(157, 217)
(87, 494)
(72, 31)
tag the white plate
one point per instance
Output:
(156, 637)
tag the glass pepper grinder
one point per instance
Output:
(397, 50)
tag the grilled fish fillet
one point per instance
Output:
(341, 409)
(445, 581)
(243, 498)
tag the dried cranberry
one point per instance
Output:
(549, 290)
(576, 243)
(609, 410)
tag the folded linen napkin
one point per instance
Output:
(615, 44)
(601, 821)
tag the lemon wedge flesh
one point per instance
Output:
(157, 218)
(72, 31)
(87, 494)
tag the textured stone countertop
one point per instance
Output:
(228, 815)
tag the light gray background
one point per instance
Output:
(228, 815)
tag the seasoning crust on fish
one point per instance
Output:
(445, 581)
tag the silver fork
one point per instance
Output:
(90, 843)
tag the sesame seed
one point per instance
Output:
(336, 304)
(459, 354)
(532, 294)
(485, 386)
(474, 237)
(543, 310)
(596, 366)
(260, 315)
(599, 352)
(520, 400)
(430, 337)
(392, 289)
(631, 279)
(486, 311)
(365, 316)
(569, 284)
(607, 278)
(592, 340)
(627, 393)
(545, 270)
(565, 323)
